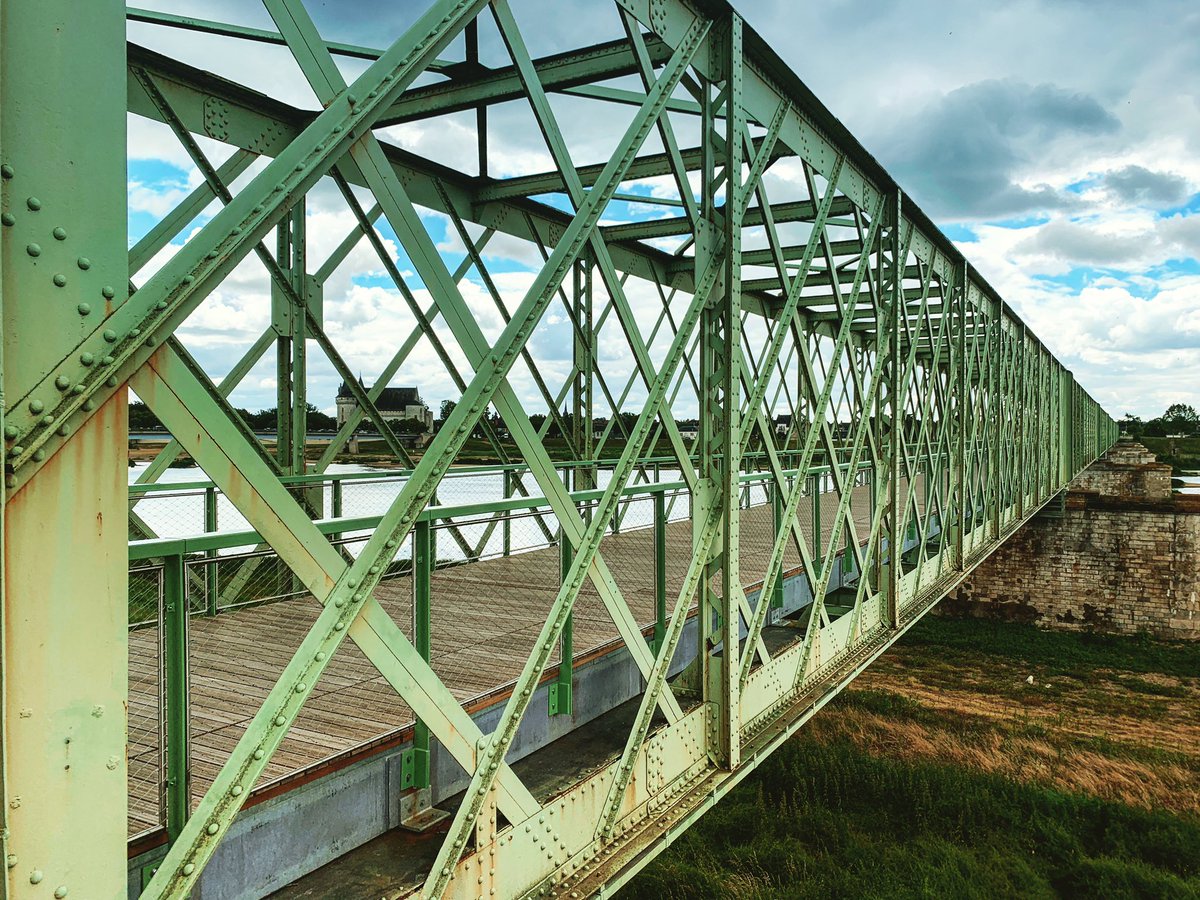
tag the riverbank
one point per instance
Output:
(946, 771)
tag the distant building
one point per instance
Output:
(395, 404)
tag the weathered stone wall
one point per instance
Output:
(1123, 557)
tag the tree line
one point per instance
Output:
(1179, 419)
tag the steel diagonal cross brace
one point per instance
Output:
(77, 385)
(188, 410)
(318, 67)
(483, 779)
(562, 159)
(348, 594)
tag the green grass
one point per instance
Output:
(833, 821)
(1076, 654)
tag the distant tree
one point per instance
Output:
(444, 412)
(319, 421)
(1131, 424)
(141, 417)
(1181, 417)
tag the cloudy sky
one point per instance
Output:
(1057, 143)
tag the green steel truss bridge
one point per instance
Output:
(187, 701)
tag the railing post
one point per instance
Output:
(559, 701)
(175, 694)
(335, 502)
(660, 571)
(423, 559)
(506, 525)
(818, 541)
(777, 519)
(210, 568)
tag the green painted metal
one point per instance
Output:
(896, 367)
(177, 694)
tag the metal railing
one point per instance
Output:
(180, 584)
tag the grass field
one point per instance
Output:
(944, 773)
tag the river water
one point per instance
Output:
(179, 513)
(1191, 484)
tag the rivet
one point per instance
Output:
(6, 170)
(16, 451)
(34, 250)
(279, 720)
(85, 309)
(212, 828)
(39, 454)
(279, 188)
(339, 602)
(34, 203)
(111, 381)
(107, 292)
(235, 231)
(257, 209)
(86, 358)
(35, 877)
(60, 280)
(188, 279)
(60, 891)
(35, 406)
(106, 361)
(150, 341)
(258, 754)
(8, 219)
(64, 429)
(89, 405)
(236, 790)
(11, 433)
(62, 382)
(109, 335)
(320, 656)
(301, 687)
(60, 233)
(299, 167)
(351, 99)
(134, 332)
(338, 626)
(84, 263)
(188, 869)
(77, 389)
(47, 419)
(161, 304)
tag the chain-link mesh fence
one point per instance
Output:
(144, 749)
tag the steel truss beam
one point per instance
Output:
(907, 385)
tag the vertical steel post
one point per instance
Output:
(720, 402)
(65, 266)
(423, 557)
(894, 444)
(778, 526)
(660, 570)
(176, 693)
(210, 567)
(960, 402)
(559, 700)
(506, 524)
(335, 503)
(291, 357)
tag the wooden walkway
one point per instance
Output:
(485, 616)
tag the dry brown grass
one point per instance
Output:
(1091, 734)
